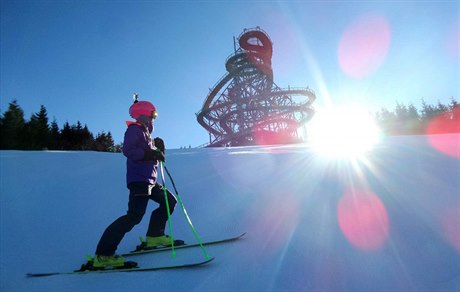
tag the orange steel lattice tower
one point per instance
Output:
(246, 107)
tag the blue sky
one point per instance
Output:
(83, 60)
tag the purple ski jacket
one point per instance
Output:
(137, 140)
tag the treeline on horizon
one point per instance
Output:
(430, 119)
(38, 134)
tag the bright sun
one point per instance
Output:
(343, 132)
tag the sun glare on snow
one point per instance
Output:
(343, 132)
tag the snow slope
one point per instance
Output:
(389, 222)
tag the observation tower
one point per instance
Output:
(246, 107)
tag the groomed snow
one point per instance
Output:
(387, 222)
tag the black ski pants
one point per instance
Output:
(139, 195)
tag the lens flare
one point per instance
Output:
(363, 219)
(444, 133)
(451, 225)
(364, 46)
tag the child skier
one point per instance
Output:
(142, 155)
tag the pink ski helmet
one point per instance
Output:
(142, 108)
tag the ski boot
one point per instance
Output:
(101, 262)
(157, 242)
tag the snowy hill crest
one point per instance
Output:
(388, 222)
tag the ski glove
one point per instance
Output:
(160, 144)
(154, 155)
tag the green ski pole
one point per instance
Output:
(195, 233)
(168, 211)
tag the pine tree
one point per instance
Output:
(110, 143)
(428, 111)
(104, 142)
(38, 130)
(12, 127)
(442, 108)
(66, 137)
(453, 104)
(118, 148)
(87, 139)
(55, 137)
(454, 109)
(77, 130)
(386, 121)
(402, 119)
(413, 112)
(415, 126)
